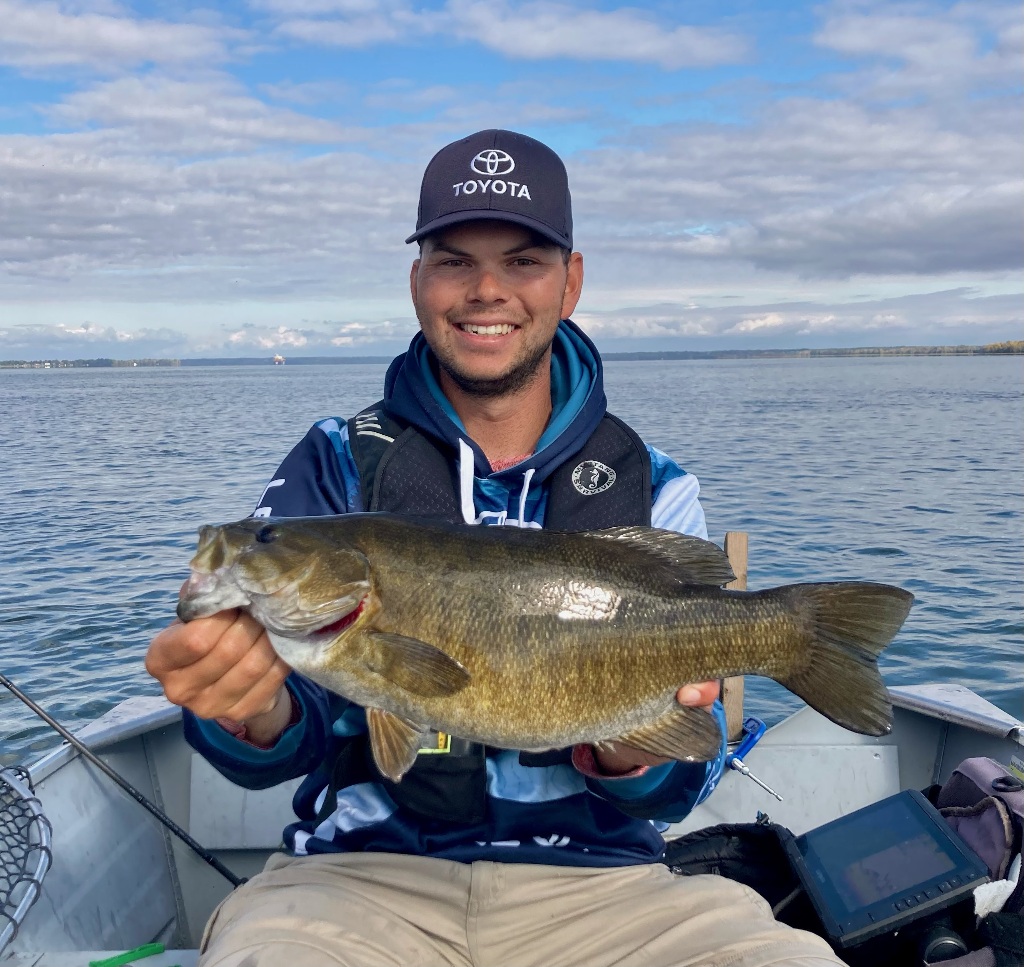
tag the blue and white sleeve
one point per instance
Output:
(318, 478)
(675, 492)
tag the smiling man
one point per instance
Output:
(496, 415)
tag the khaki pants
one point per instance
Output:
(371, 909)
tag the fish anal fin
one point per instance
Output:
(685, 733)
(415, 666)
(690, 559)
(393, 741)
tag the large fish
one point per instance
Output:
(534, 639)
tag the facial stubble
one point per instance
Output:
(522, 373)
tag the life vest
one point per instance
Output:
(606, 484)
(401, 470)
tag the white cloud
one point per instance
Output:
(357, 32)
(537, 30)
(910, 320)
(315, 8)
(41, 34)
(282, 337)
(211, 114)
(87, 340)
(309, 92)
(542, 29)
(817, 187)
(972, 43)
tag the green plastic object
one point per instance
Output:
(130, 956)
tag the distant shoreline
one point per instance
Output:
(1012, 348)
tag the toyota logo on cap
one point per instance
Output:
(493, 162)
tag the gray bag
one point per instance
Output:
(984, 802)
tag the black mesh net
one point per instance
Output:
(24, 850)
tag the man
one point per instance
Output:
(496, 415)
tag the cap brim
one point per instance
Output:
(487, 214)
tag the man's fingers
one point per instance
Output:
(242, 641)
(223, 665)
(180, 645)
(261, 697)
(244, 689)
(698, 694)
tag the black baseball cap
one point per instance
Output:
(500, 175)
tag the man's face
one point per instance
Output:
(489, 299)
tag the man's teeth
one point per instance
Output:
(502, 329)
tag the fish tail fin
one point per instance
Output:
(850, 625)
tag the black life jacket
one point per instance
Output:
(605, 484)
(401, 470)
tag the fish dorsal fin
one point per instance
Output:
(393, 741)
(691, 559)
(685, 733)
(415, 666)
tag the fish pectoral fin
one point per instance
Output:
(685, 733)
(415, 666)
(690, 559)
(393, 741)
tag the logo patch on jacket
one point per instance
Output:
(592, 477)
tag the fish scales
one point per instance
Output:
(535, 639)
(498, 643)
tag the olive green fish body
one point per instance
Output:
(530, 639)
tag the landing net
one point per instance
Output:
(24, 850)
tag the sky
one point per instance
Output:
(183, 179)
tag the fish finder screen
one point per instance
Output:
(878, 855)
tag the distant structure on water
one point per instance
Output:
(279, 360)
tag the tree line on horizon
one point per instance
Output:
(1007, 347)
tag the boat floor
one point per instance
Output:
(81, 958)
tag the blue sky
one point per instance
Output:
(237, 178)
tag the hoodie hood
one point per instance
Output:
(413, 394)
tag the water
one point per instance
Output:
(903, 470)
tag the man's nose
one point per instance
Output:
(487, 286)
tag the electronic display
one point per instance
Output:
(883, 866)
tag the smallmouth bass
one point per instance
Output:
(533, 639)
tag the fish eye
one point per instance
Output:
(267, 534)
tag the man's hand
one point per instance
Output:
(224, 667)
(622, 759)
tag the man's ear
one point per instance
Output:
(413, 273)
(573, 284)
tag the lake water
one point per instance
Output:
(903, 470)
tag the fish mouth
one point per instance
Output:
(206, 593)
